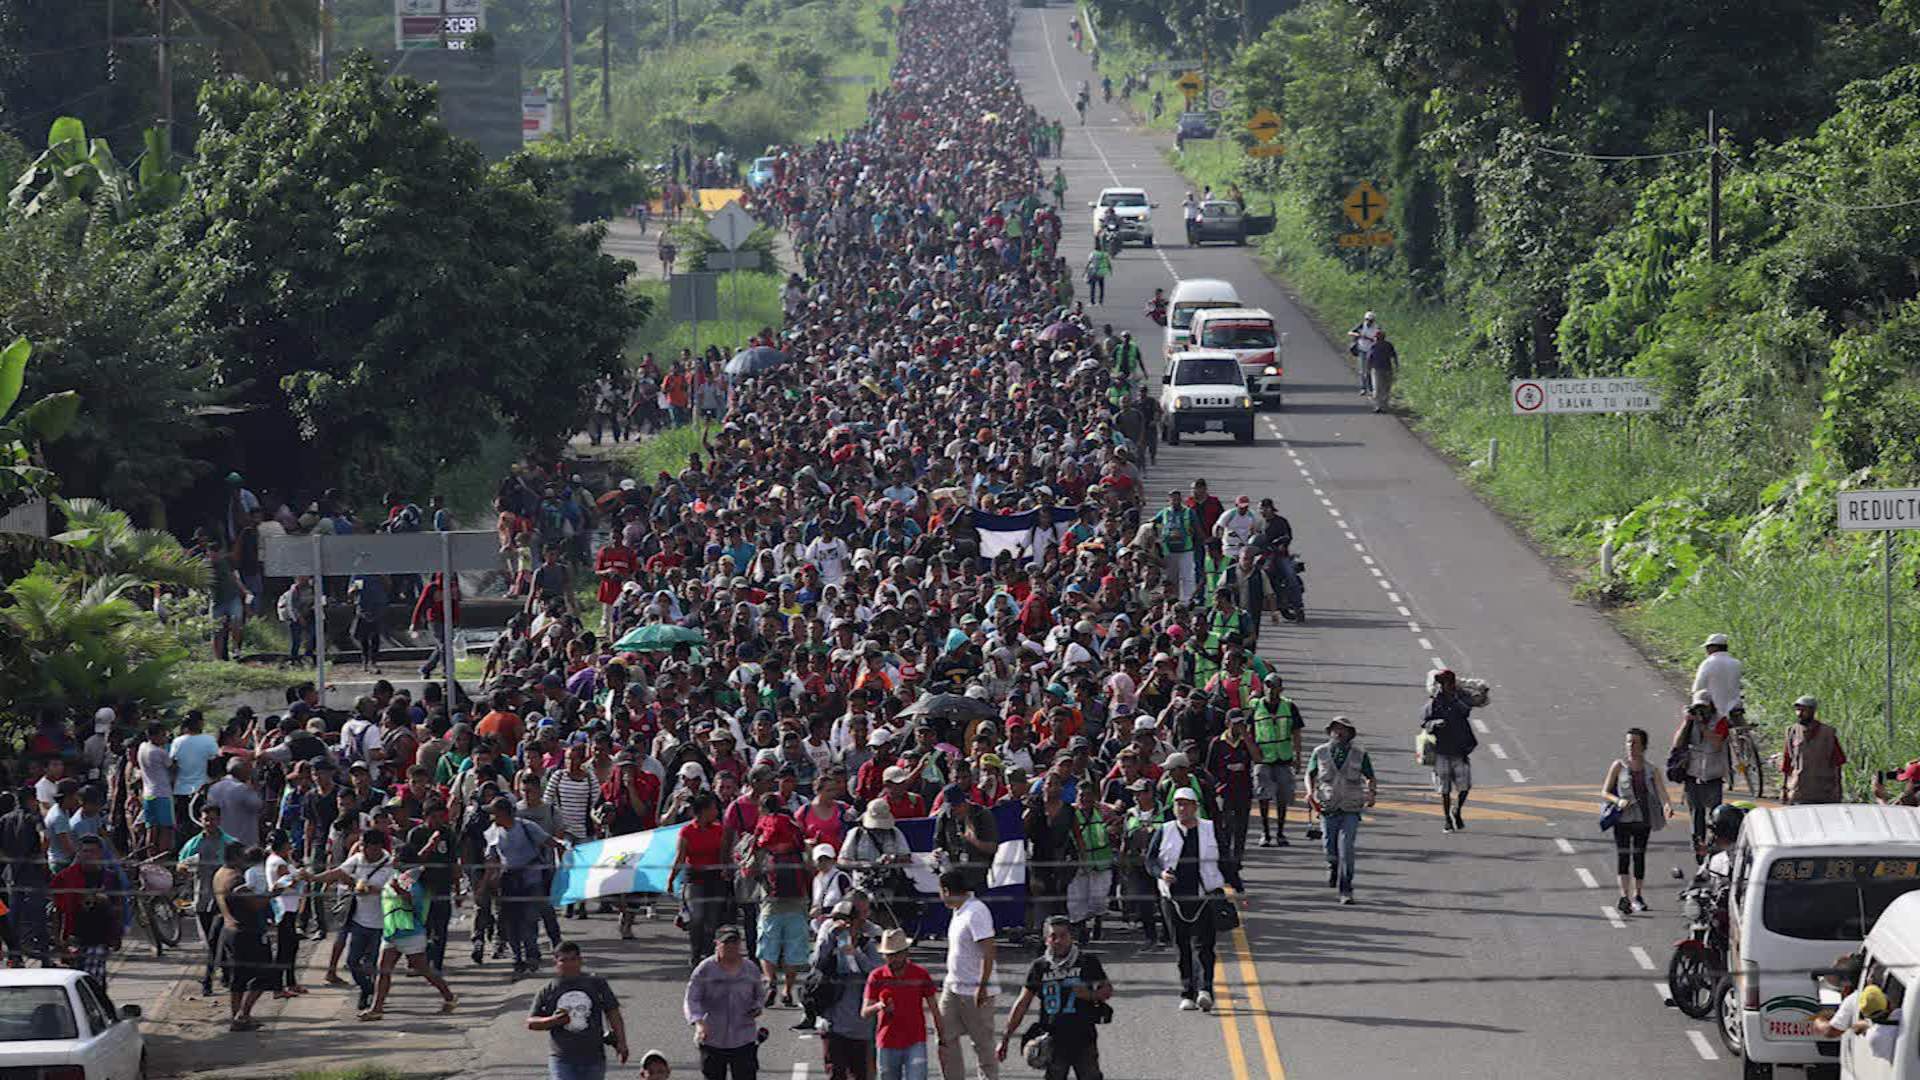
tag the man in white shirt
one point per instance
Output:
(829, 554)
(1719, 676)
(1236, 528)
(367, 871)
(967, 994)
(156, 789)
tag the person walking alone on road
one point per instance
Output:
(1360, 341)
(1276, 732)
(1072, 988)
(1447, 719)
(1382, 361)
(1099, 265)
(1340, 776)
(966, 996)
(723, 1003)
(900, 997)
(1641, 797)
(846, 949)
(577, 1010)
(1702, 739)
(1812, 758)
(1192, 876)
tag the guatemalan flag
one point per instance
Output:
(1014, 532)
(1006, 891)
(634, 863)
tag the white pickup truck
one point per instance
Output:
(1203, 391)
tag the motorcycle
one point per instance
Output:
(1699, 960)
(1109, 239)
(1157, 311)
(1289, 593)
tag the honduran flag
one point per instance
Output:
(1006, 891)
(633, 863)
(1014, 532)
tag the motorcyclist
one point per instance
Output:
(1723, 831)
(1157, 307)
(1276, 544)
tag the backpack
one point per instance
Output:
(822, 988)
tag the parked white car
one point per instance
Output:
(56, 1021)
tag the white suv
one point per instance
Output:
(1131, 211)
(1204, 391)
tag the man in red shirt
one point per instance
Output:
(1206, 507)
(900, 996)
(614, 565)
(502, 724)
(430, 610)
(904, 802)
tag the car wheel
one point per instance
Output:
(1147, 242)
(1244, 438)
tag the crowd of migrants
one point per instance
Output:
(915, 573)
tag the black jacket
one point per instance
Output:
(1447, 718)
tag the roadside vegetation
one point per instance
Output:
(1522, 249)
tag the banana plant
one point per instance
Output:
(75, 167)
(22, 477)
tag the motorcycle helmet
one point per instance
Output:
(1725, 823)
(1037, 1047)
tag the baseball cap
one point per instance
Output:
(1185, 794)
(825, 851)
(1714, 639)
(1178, 760)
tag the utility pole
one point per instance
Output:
(673, 22)
(566, 64)
(606, 60)
(163, 53)
(326, 40)
(1713, 189)
(1243, 25)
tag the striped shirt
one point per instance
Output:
(574, 800)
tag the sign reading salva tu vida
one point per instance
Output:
(1532, 396)
(1884, 509)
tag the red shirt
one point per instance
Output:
(614, 557)
(507, 728)
(909, 805)
(705, 845)
(908, 991)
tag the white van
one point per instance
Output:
(1808, 884)
(1191, 295)
(1889, 1051)
(1255, 341)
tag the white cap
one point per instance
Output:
(1178, 760)
(1187, 794)
(1714, 639)
(825, 851)
(879, 737)
(1806, 699)
(1144, 723)
(1368, 316)
(692, 768)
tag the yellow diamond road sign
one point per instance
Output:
(1365, 206)
(1189, 83)
(1264, 124)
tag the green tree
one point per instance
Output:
(359, 276)
(590, 179)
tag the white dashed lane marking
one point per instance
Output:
(1498, 750)
(1514, 775)
(1640, 957)
(1702, 1047)
(1613, 916)
(1565, 845)
(1424, 643)
(1479, 725)
(1586, 877)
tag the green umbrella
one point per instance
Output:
(659, 637)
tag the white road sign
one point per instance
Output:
(1884, 509)
(731, 226)
(380, 553)
(1217, 98)
(1532, 396)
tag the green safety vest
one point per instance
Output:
(1175, 531)
(1273, 730)
(1166, 797)
(1095, 849)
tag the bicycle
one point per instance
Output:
(158, 903)
(1749, 762)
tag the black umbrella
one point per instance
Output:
(755, 360)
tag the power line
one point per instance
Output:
(1622, 157)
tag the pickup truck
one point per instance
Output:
(1203, 391)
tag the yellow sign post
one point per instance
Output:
(1264, 124)
(1190, 85)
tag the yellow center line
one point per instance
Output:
(1262, 1023)
(1223, 1008)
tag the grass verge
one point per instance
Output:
(756, 307)
(205, 684)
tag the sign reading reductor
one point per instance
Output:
(1890, 508)
(1533, 396)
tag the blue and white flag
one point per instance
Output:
(634, 863)
(1014, 532)
(1006, 891)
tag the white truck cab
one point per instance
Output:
(1131, 211)
(1253, 338)
(1202, 391)
(1191, 295)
